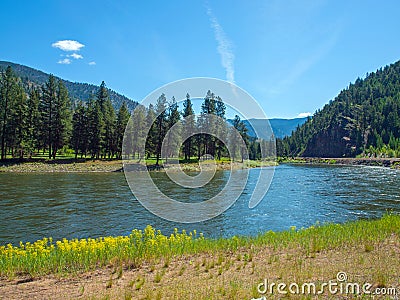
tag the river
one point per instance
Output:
(81, 205)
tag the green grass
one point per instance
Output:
(63, 257)
(289, 160)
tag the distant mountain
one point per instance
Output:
(285, 127)
(77, 91)
(280, 127)
(364, 119)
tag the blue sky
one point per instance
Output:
(291, 56)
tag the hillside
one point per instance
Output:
(364, 119)
(32, 77)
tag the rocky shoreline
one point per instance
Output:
(378, 162)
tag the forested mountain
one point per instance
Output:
(77, 91)
(364, 119)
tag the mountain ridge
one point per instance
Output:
(76, 90)
(363, 119)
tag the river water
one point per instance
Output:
(81, 205)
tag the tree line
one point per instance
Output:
(186, 134)
(44, 119)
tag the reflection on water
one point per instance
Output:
(33, 206)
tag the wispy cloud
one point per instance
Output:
(302, 65)
(65, 61)
(92, 63)
(224, 47)
(75, 55)
(68, 45)
(304, 115)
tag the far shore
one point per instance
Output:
(353, 161)
(70, 165)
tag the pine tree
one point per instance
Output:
(122, 122)
(47, 110)
(107, 140)
(188, 126)
(221, 127)
(8, 91)
(55, 112)
(152, 135)
(80, 126)
(208, 109)
(173, 138)
(102, 96)
(33, 127)
(18, 133)
(138, 131)
(238, 138)
(127, 142)
(109, 118)
(61, 125)
(95, 128)
(161, 124)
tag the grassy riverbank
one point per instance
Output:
(88, 165)
(149, 265)
(60, 165)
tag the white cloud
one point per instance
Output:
(68, 45)
(304, 115)
(92, 63)
(224, 47)
(65, 61)
(75, 55)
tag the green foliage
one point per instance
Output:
(122, 122)
(221, 128)
(188, 126)
(95, 128)
(238, 133)
(33, 132)
(18, 117)
(80, 134)
(207, 122)
(151, 137)
(54, 107)
(173, 136)
(109, 140)
(160, 124)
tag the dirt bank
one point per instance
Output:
(223, 275)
